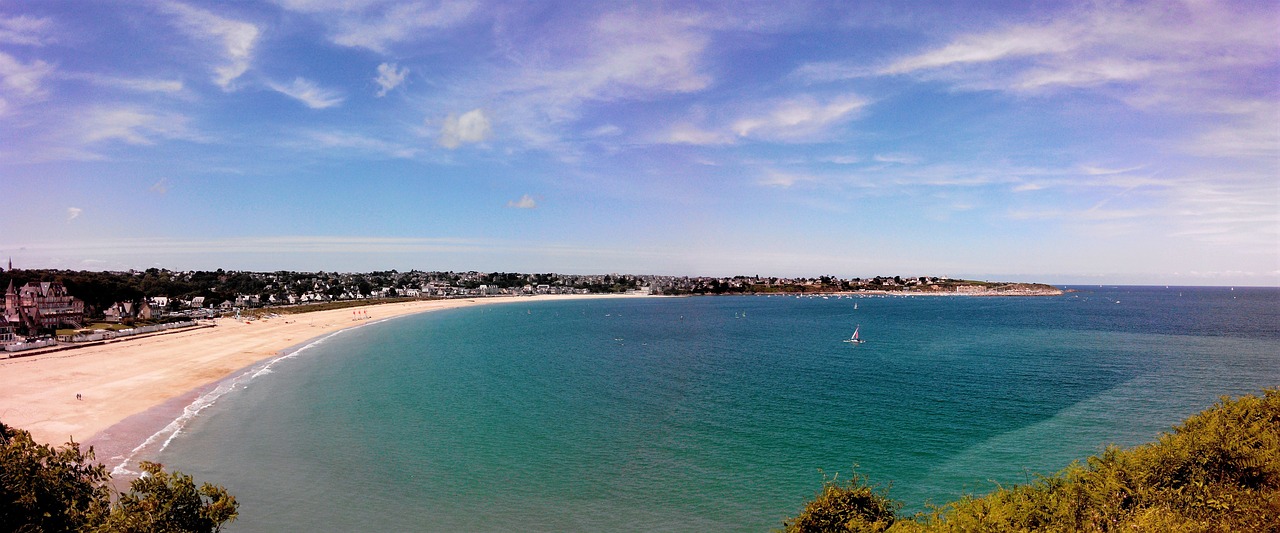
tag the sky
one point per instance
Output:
(1061, 142)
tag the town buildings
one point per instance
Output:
(40, 306)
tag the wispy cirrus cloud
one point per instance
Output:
(147, 85)
(234, 40)
(798, 119)
(377, 25)
(1149, 48)
(1246, 131)
(133, 125)
(21, 83)
(785, 180)
(25, 30)
(561, 71)
(307, 92)
(329, 140)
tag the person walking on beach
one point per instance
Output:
(78, 396)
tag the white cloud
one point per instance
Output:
(684, 133)
(149, 85)
(1250, 131)
(24, 30)
(622, 56)
(560, 71)
(73, 213)
(784, 180)
(396, 23)
(1091, 170)
(22, 79)
(235, 39)
(797, 118)
(896, 159)
(827, 71)
(843, 159)
(607, 130)
(982, 48)
(389, 77)
(351, 141)
(471, 127)
(1162, 52)
(307, 92)
(133, 126)
(525, 202)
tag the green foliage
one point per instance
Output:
(164, 502)
(62, 489)
(1218, 471)
(47, 489)
(854, 507)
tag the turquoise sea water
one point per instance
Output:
(714, 413)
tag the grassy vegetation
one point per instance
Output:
(1218, 471)
(109, 326)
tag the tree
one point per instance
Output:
(47, 489)
(162, 501)
(43, 488)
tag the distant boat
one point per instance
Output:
(855, 306)
(854, 338)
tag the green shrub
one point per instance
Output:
(43, 488)
(854, 507)
(1218, 471)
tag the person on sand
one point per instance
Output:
(78, 397)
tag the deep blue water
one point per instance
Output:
(713, 413)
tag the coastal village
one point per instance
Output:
(46, 307)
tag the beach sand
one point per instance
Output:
(159, 375)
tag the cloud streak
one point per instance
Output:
(25, 30)
(133, 126)
(388, 25)
(233, 40)
(1151, 49)
(310, 94)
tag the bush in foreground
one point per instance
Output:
(1218, 471)
(43, 488)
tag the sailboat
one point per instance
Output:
(854, 338)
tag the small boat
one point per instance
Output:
(854, 338)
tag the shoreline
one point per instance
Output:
(133, 391)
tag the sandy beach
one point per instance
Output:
(124, 379)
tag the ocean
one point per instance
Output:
(710, 413)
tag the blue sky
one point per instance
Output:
(1067, 142)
